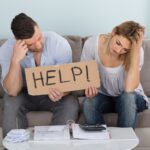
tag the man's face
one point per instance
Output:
(35, 43)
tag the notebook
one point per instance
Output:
(73, 131)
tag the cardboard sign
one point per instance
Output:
(66, 77)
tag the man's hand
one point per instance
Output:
(19, 51)
(91, 91)
(55, 94)
(13, 81)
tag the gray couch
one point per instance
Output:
(143, 120)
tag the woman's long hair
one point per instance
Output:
(130, 30)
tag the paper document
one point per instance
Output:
(57, 132)
(61, 132)
(79, 133)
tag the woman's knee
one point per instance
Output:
(127, 100)
(128, 96)
(88, 105)
(88, 102)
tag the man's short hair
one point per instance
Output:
(22, 26)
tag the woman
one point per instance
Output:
(119, 58)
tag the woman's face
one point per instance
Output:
(119, 45)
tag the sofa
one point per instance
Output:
(143, 119)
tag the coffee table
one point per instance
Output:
(121, 139)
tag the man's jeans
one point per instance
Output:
(125, 105)
(16, 108)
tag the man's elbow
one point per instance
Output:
(12, 93)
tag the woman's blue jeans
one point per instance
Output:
(126, 105)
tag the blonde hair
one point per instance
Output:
(130, 30)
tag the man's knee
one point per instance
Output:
(12, 112)
(10, 102)
(71, 103)
(71, 108)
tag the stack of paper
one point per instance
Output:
(79, 133)
(17, 135)
(57, 132)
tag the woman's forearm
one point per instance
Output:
(133, 74)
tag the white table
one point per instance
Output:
(121, 139)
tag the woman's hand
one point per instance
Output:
(136, 46)
(138, 43)
(140, 39)
(91, 91)
(55, 94)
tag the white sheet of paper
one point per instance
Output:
(51, 132)
(92, 135)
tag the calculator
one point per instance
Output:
(92, 127)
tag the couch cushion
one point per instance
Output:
(2, 41)
(76, 45)
(145, 72)
(39, 118)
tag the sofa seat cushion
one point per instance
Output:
(39, 118)
(76, 46)
(143, 119)
(44, 118)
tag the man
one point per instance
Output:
(31, 48)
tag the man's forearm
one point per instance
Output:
(13, 81)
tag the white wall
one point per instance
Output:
(75, 17)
